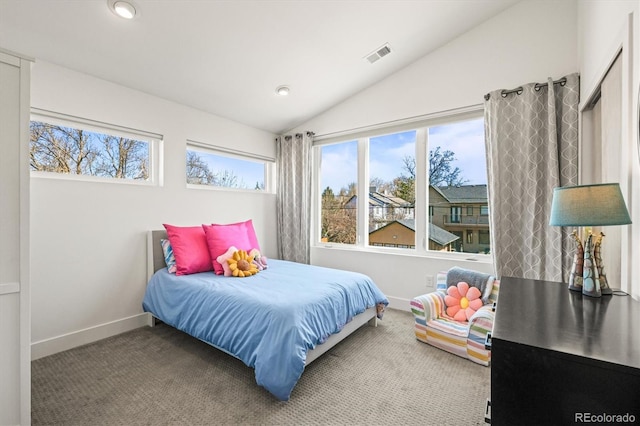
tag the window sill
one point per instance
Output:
(469, 257)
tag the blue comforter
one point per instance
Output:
(269, 320)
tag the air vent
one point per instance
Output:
(378, 53)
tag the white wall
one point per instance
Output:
(88, 257)
(526, 43)
(605, 27)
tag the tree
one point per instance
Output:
(440, 171)
(198, 172)
(122, 158)
(338, 222)
(68, 150)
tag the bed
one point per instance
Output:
(277, 321)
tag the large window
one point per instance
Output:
(69, 146)
(221, 168)
(424, 188)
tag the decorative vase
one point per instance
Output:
(575, 278)
(590, 279)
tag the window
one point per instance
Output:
(69, 146)
(456, 214)
(339, 198)
(425, 186)
(392, 190)
(208, 166)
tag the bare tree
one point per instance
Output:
(198, 172)
(441, 173)
(61, 149)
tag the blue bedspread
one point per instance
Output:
(269, 320)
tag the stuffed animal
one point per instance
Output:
(241, 264)
(259, 260)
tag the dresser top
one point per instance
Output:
(546, 314)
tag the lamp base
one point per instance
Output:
(574, 287)
(593, 293)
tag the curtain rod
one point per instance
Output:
(518, 90)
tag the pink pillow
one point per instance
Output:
(220, 237)
(189, 248)
(462, 301)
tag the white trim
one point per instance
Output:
(68, 341)
(400, 303)
(90, 178)
(53, 117)
(395, 126)
(9, 57)
(241, 155)
(9, 288)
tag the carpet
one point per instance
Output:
(160, 376)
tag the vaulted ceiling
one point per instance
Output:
(228, 57)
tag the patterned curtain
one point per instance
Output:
(293, 196)
(532, 147)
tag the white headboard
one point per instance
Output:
(155, 256)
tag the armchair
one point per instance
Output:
(468, 339)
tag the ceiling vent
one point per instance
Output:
(378, 53)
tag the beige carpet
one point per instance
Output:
(160, 376)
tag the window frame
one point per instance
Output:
(206, 148)
(155, 141)
(422, 209)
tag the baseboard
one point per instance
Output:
(67, 341)
(399, 303)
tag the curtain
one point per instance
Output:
(532, 147)
(293, 196)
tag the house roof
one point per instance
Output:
(377, 199)
(436, 234)
(464, 193)
(381, 200)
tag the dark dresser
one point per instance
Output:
(559, 357)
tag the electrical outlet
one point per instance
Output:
(430, 282)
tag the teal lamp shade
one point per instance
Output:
(589, 205)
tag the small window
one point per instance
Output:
(484, 210)
(483, 237)
(66, 146)
(217, 167)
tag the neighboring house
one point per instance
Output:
(383, 208)
(462, 211)
(402, 233)
(458, 219)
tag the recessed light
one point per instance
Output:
(123, 9)
(283, 90)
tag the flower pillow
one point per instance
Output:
(169, 258)
(462, 301)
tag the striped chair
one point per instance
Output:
(465, 339)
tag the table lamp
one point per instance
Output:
(589, 205)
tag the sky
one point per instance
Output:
(247, 171)
(465, 139)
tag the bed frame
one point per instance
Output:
(155, 261)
